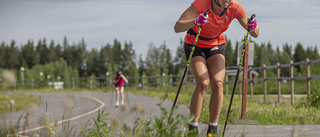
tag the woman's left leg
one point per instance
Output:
(216, 67)
(122, 95)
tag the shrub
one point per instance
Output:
(314, 99)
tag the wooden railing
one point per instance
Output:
(172, 80)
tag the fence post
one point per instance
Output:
(158, 83)
(32, 84)
(251, 83)
(90, 82)
(265, 83)
(240, 85)
(226, 83)
(72, 83)
(171, 80)
(308, 78)
(143, 81)
(278, 82)
(14, 85)
(292, 82)
(53, 81)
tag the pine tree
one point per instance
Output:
(299, 55)
(29, 55)
(228, 53)
(152, 62)
(2, 55)
(12, 56)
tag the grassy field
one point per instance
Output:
(17, 102)
(270, 113)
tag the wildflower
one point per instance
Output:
(51, 130)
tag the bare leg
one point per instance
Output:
(122, 97)
(200, 72)
(117, 95)
(216, 66)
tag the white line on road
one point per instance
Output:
(73, 118)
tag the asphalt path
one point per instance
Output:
(71, 111)
(74, 109)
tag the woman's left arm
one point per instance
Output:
(124, 78)
(244, 21)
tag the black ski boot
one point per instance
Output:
(212, 131)
(193, 131)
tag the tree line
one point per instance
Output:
(75, 60)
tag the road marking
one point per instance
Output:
(306, 129)
(73, 118)
(288, 128)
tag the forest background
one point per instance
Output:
(75, 60)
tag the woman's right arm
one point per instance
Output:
(186, 20)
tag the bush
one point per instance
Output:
(315, 98)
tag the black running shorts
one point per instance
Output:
(204, 52)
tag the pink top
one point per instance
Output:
(119, 81)
(216, 26)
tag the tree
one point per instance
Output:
(141, 65)
(52, 55)
(287, 49)
(299, 55)
(315, 53)
(271, 54)
(163, 59)
(2, 55)
(128, 60)
(92, 62)
(229, 53)
(12, 56)
(29, 56)
(75, 55)
(152, 62)
(180, 60)
(117, 55)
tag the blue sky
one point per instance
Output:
(148, 21)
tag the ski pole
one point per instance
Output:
(238, 70)
(186, 68)
(112, 98)
(127, 94)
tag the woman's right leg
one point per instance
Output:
(200, 72)
(117, 96)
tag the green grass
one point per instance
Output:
(18, 102)
(270, 113)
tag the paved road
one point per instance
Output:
(84, 106)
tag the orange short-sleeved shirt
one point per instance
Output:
(216, 26)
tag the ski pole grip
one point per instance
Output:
(252, 17)
(205, 13)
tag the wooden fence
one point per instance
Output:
(280, 78)
(172, 80)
